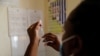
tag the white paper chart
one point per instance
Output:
(19, 20)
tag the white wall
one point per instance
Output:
(71, 4)
(5, 49)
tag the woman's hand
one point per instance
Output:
(51, 40)
(32, 49)
(33, 31)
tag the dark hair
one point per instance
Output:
(85, 22)
(91, 0)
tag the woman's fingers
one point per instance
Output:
(49, 37)
(51, 40)
(35, 26)
(32, 27)
(49, 43)
(39, 25)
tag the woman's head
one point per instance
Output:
(91, 0)
(82, 22)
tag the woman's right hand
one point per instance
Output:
(33, 32)
(52, 41)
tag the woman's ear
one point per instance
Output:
(79, 45)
